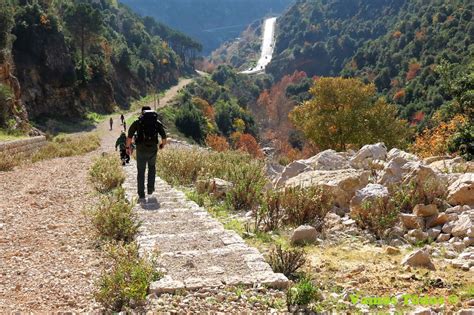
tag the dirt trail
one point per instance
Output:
(48, 259)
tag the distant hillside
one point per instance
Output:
(395, 43)
(62, 59)
(211, 22)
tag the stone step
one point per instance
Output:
(200, 240)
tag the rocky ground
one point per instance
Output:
(49, 261)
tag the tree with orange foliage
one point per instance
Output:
(247, 143)
(205, 108)
(217, 143)
(274, 105)
(435, 141)
(413, 70)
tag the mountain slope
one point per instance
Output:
(79, 56)
(395, 43)
(212, 22)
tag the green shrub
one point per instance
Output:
(114, 219)
(106, 173)
(64, 146)
(286, 261)
(271, 211)
(301, 294)
(249, 181)
(192, 123)
(377, 216)
(127, 282)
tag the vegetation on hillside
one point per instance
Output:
(88, 55)
(396, 44)
(211, 22)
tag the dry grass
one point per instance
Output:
(185, 167)
(106, 173)
(64, 146)
(8, 162)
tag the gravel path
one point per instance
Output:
(48, 261)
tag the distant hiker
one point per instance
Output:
(124, 126)
(147, 128)
(121, 143)
(122, 118)
(111, 122)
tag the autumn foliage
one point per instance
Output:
(217, 143)
(343, 113)
(435, 141)
(247, 143)
(413, 70)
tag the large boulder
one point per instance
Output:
(401, 155)
(340, 184)
(411, 221)
(367, 195)
(461, 192)
(400, 172)
(291, 170)
(456, 165)
(464, 224)
(420, 258)
(327, 161)
(369, 153)
(304, 234)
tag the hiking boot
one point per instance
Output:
(150, 192)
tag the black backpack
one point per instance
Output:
(148, 125)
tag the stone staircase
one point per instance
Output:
(195, 251)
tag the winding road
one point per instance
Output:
(267, 47)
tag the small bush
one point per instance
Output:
(271, 212)
(377, 216)
(249, 181)
(305, 205)
(114, 219)
(126, 284)
(106, 173)
(407, 195)
(63, 146)
(286, 261)
(301, 294)
(7, 162)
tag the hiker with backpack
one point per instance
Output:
(146, 130)
(122, 144)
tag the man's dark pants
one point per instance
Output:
(146, 155)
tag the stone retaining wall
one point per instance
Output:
(24, 147)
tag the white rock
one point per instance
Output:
(340, 184)
(397, 153)
(366, 197)
(304, 234)
(419, 258)
(468, 241)
(291, 170)
(369, 153)
(463, 224)
(461, 192)
(327, 161)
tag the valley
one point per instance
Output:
(319, 156)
